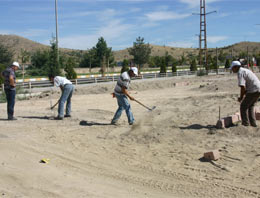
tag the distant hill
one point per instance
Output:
(16, 43)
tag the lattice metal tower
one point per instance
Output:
(203, 35)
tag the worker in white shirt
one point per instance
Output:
(249, 93)
(121, 94)
(67, 90)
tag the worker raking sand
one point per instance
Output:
(121, 94)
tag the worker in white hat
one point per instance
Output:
(249, 93)
(10, 88)
(122, 95)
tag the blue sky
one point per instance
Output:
(120, 22)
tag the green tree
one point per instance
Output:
(182, 60)
(163, 66)
(101, 51)
(53, 67)
(242, 55)
(193, 65)
(24, 57)
(125, 65)
(90, 59)
(39, 63)
(168, 59)
(6, 55)
(140, 51)
(257, 57)
(110, 57)
(69, 69)
(222, 56)
(174, 66)
(154, 61)
(2, 68)
(227, 64)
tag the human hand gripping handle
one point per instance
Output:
(124, 90)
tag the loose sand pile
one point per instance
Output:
(158, 157)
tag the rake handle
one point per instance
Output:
(142, 104)
(55, 104)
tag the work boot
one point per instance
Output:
(67, 116)
(58, 118)
(12, 118)
(113, 123)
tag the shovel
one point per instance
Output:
(150, 109)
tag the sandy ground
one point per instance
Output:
(158, 157)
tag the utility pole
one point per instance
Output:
(56, 18)
(203, 33)
(217, 59)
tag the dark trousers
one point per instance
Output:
(10, 97)
(247, 108)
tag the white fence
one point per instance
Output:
(46, 83)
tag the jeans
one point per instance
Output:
(10, 97)
(123, 104)
(65, 96)
(247, 108)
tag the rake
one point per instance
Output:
(150, 109)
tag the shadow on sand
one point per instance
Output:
(203, 159)
(38, 117)
(87, 123)
(198, 127)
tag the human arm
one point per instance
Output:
(12, 81)
(61, 88)
(242, 93)
(124, 90)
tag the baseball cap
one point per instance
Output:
(16, 64)
(235, 63)
(135, 70)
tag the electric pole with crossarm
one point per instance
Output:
(203, 34)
